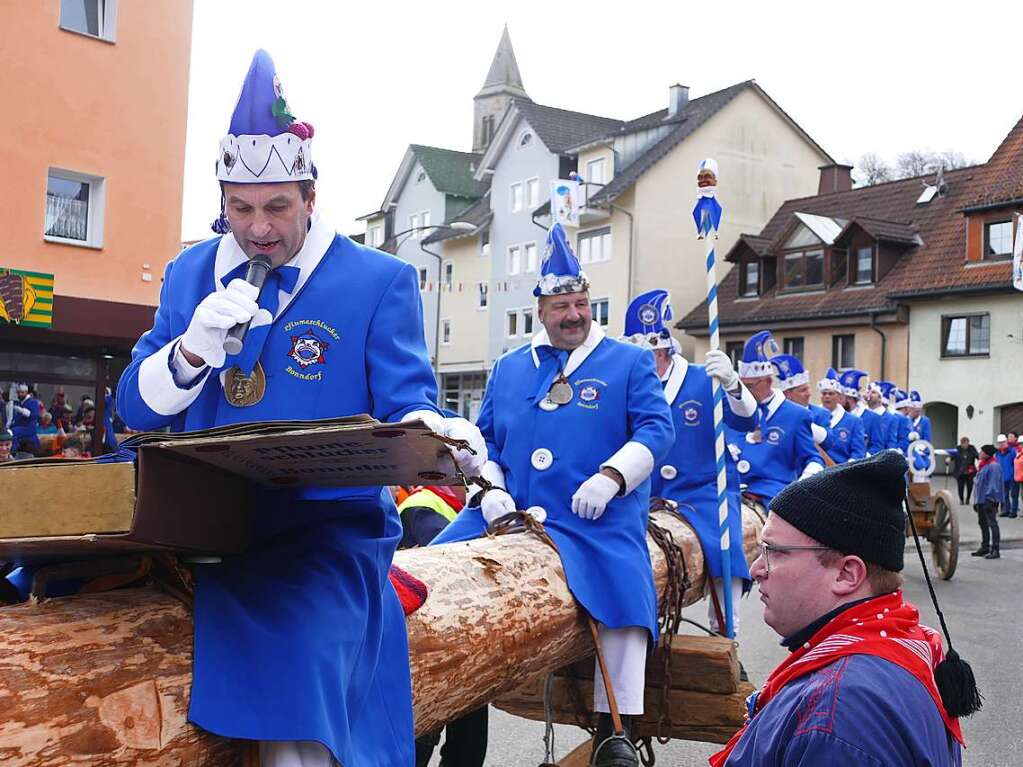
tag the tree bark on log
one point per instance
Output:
(103, 679)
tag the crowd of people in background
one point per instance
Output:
(31, 430)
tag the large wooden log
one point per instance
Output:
(103, 679)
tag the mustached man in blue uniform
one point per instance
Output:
(794, 383)
(921, 423)
(847, 442)
(851, 381)
(575, 423)
(781, 449)
(688, 473)
(300, 643)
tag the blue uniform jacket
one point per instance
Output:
(860, 711)
(784, 449)
(903, 426)
(24, 427)
(547, 455)
(877, 427)
(822, 417)
(847, 443)
(688, 473)
(302, 637)
(922, 427)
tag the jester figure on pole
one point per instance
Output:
(707, 215)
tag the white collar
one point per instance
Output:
(880, 410)
(676, 377)
(859, 409)
(317, 241)
(774, 403)
(578, 355)
(836, 415)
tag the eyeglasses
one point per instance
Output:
(766, 549)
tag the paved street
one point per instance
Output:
(980, 604)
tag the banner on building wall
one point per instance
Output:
(566, 201)
(26, 298)
(1017, 256)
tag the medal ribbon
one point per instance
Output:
(282, 278)
(552, 362)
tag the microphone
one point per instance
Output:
(256, 273)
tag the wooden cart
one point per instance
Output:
(936, 521)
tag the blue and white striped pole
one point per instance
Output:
(708, 218)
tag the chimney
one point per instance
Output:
(678, 97)
(835, 178)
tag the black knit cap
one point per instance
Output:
(855, 508)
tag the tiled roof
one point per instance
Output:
(889, 210)
(759, 245)
(1003, 173)
(695, 113)
(561, 129)
(450, 172)
(880, 229)
(478, 213)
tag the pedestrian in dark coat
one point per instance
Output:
(989, 494)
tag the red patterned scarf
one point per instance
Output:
(886, 627)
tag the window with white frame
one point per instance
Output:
(599, 311)
(511, 323)
(514, 259)
(421, 176)
(529, 251)
(422, 278)
(596, 171)
(94, 18)
(74, 208)
(445, 332)
(515, 198)
(525, 138)
(594, 246)
(376, 236)
(485, 243)
(864, 274)
(414, 224)
(527, 322)
(532, 193)
(449, 274)
(482, 291)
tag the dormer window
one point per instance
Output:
(749, 278)
(804, 270)
(997, 240)
(863, 266)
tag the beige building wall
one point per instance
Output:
(467, 350)
(987, 383)
(375, 222)
(817, 349)
(763, 161)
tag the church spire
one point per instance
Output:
(503, 84)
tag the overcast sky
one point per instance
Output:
(373, 77)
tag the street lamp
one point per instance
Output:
(458, 226)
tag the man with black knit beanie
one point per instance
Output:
(858, 687)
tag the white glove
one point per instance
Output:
(719, 367)
(819, 433)
(214, 316)
(459, 428)
(913, 436)
(811, 468)
(495, 504)
(594, 495)
(24, 412)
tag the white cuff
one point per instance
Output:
(494, 474)
(743, 405)
(434, 421)
(819, 433)
(184, 372)
(634, 462)
(159, 386)
(811, 468)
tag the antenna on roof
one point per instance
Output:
(937, 188)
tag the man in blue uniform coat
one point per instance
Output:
(847, 443)
(300, 643)
(902, 402)
(575, 423)
(781, 449)
(688, 473)
(853, 400)
(921, 423)
(794, 383)
(878, 421)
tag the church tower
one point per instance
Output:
(503, 84)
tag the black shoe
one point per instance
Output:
(1012, 516)
(610, 750)
(1004, 514)
(993, 555)
(981, 552)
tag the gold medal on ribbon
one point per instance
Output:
(242, 390)
(561, 392)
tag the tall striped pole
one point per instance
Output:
(708, 218)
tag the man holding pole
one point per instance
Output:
(574, 423)
(687, 474)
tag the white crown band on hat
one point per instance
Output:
(829, 384)
(555, 285)
(650, 340)
(794, 380)
(758, 369)
(265, 159)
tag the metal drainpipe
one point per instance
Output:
(632, 224)
(884, 340)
